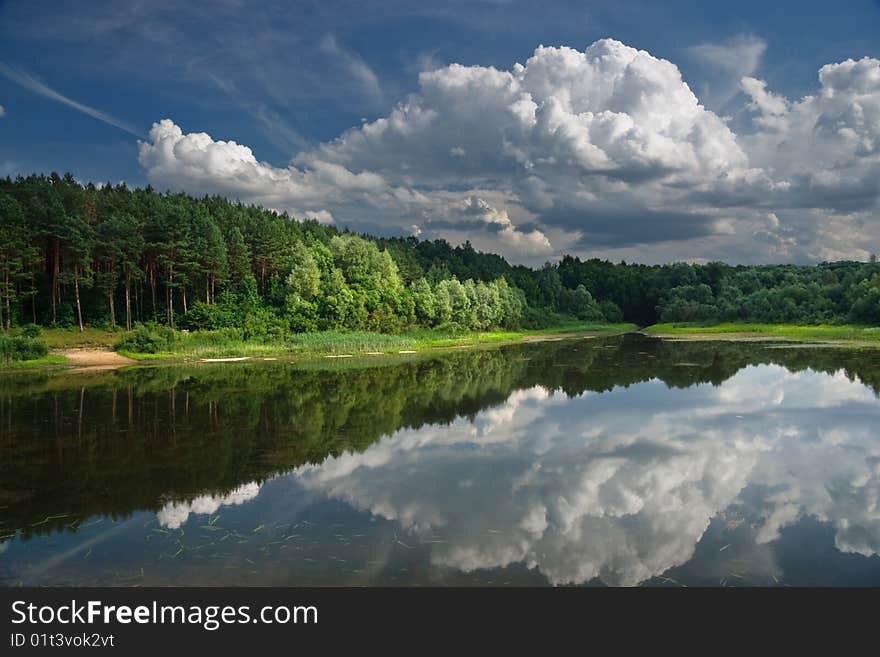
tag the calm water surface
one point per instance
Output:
(618, 461)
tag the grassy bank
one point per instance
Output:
(831, 332)
(72, 338)
(217, 344)
(223, 344)
(50, 360)
(57, 340)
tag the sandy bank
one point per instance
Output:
(103, 358)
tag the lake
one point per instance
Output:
(616, 461)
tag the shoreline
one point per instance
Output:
(93, 357)
(841, 335)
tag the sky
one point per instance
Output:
(652, 132)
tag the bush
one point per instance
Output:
(263, 324)
(208, 317)
(22, 347)
(147, 339)
(31, 331)
(451, 328)
(540, 318)
(611, 312)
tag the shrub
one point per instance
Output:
(208, 317)
(147, 339)
(22, 347)
(263, 324)
(539, 318)
(611, 312)
(31, 331)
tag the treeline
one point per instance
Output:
(77, 255)
(836, 292)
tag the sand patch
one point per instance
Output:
(95, 358)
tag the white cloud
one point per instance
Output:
(611, 111)
(765, 102)
(2, 111)
(603, 152)
(196, 162)
(742, 54)
(836, 129)
(725, 64)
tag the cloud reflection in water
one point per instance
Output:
(174, 514)
(622, 485)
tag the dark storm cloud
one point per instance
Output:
(621, 228)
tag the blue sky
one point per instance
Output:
(81, 83)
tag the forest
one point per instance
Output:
(77, 255)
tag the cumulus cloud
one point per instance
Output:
(2, 111)
(475, 219)
(612, 111)
(826, 145)
(769, 105)
(605, 151)
(580, 490)
(195, 161)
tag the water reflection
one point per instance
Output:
(174, 514)
(620, 461)
(622, 486)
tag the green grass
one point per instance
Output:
(208, 344)
(70, 338)
(45, 361)
(845, 332)
(63, 338)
